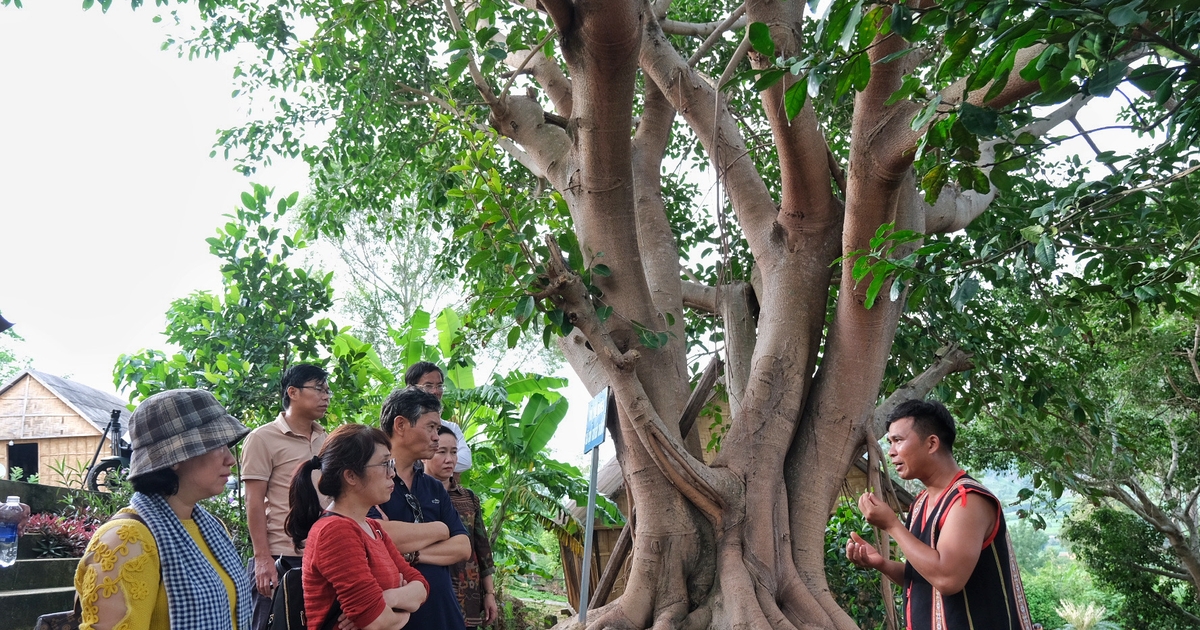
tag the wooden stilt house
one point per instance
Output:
(47, 422)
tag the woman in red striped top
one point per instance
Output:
(347, 556)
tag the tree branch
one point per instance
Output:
(694, 98)
(549, 75)
(656, 242)
(691, 477)
(521, 118)
(956, 208)
(950, 359)
(719, 29)
(701, 297)
(741, 335)
(807, 204)
(562, 12)
(1176, 574)
(481, 83)
(701, 29)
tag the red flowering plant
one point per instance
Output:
(61, 536)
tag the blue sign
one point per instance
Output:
(597, 419)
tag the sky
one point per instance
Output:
(106, 188)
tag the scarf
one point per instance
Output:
(196, 596)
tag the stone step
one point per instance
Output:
(22, 608)
(39, 573)
(26, 546)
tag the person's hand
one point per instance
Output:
(877, 512)
(404, 616)
(862, 553)
(344, 623)
(265, 576)
(490, 610)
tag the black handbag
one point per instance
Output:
(287, 606)
(66, 620)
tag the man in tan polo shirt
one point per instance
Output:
(270, 456)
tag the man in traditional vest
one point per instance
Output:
(960, 570)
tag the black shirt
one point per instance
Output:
(440, 610)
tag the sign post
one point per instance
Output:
(597, 420)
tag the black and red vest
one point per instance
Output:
(993, 598)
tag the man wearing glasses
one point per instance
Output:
(419, 517)
(430, 378)
(270, 456)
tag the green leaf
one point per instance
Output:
(877, 279)
(1149, 77)
(1126, 14)
(907, 88)
(604, 312)
(524, 308)
(541, 419)
(461, 375)
(964, 291)
(901, 21)
(1164, 93)
(1032, 233)
(760, 39)
(981, 121)
(894, 56)
(926, 114)
(847, 36)
(1107, 78)
(768, 78)
(1044, 252)
(456, 67)
(602, 270)
(795, 97)
(448, 325)
(514, 336)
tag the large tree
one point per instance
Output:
(556, 139)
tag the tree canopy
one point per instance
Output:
(884, 215)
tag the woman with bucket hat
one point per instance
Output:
(165, 562)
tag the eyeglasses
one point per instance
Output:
(432, 387)
(389, 467)
(321, 391)
(418, 516)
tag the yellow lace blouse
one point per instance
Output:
(119, 580)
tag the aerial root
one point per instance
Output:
(614, 617)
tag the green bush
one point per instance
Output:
(856, 590)
(1062, 579)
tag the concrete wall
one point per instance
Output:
(41, 498)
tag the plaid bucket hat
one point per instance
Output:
(176, 425)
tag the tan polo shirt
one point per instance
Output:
(271, 453)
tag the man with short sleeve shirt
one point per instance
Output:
(270, 456)
(419, 516)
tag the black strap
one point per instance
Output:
(331, 619)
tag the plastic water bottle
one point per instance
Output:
(11, 514)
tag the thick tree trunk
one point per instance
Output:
(739, 543)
